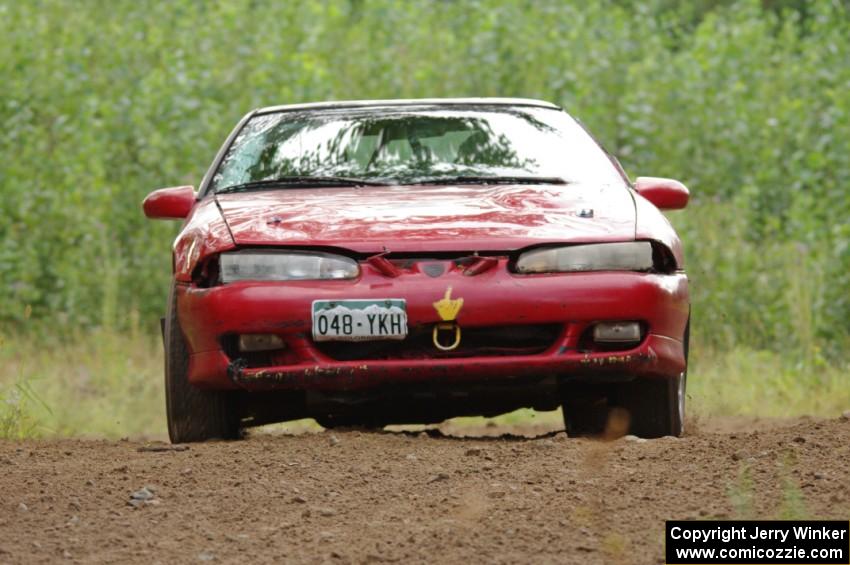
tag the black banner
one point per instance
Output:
(762, 542)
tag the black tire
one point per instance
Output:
(647, 408)
(193, 414)
(586, 408)
(657, 407)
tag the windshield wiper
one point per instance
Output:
(297, 182)
(488, 180)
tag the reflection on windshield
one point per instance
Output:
(402, 145)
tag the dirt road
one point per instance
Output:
(355, 497)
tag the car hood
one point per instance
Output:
(430, 218)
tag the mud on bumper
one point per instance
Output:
(550, 314)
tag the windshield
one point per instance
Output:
(406, 145)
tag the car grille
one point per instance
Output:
(476, 342)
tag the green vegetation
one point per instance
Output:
(744, 497)
(742, 493)
(746, 102)
(16, 418)
(93, 384)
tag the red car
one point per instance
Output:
(408, 261)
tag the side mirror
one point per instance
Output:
(169, 203)
(666, 194)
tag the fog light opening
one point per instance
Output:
(617, 332)
(260, 342)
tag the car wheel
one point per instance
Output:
(586, 408)
(657, 407)
(647, 408)
(193, 414)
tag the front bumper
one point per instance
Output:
(572, 302)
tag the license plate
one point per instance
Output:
(359, 320)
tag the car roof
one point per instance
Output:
(408, 102)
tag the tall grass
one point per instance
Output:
(94, 384)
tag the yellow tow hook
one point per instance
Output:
(448, 309)
(446, 327)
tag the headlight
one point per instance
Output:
(285, 266)
(629, 256)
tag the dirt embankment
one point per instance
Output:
(355, 497)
